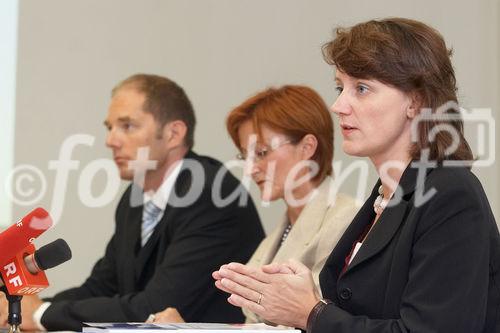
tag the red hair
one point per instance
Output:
(294, 111)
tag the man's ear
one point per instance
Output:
(308, 146)
(174, 133)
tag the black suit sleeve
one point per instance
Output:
(447, 287)
(207, 237)
(202, 238)
(101, 282)
(94, 295)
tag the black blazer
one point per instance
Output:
(423, 268)
(174, 267)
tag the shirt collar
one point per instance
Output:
(160, 197)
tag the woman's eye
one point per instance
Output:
(362, 89)
(261, 153)
(339, 90)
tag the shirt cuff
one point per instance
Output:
(37, 315)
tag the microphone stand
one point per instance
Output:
(14, 318)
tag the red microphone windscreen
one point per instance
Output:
(19, 235)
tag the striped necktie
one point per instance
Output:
(151, 215)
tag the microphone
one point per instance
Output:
(18, 236)
(48, 256)
(24, 274)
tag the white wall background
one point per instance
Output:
(221, 51)
(8, 58)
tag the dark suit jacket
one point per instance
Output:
(422, 268)
(174, 267)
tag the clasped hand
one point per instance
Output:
(283, 294)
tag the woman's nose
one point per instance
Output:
(341, 105)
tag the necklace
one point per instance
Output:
(286, 232)
(380, 203)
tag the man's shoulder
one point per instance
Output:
(208, 168)
(207, 162)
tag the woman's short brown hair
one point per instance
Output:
(294, 111)
(412, 57)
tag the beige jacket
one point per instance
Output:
(313, 236)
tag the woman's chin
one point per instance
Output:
(353, 150)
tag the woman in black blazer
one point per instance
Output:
(423, 253)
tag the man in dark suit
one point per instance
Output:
(173, 227)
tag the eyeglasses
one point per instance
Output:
(262, 153)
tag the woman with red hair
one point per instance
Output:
(285, 138)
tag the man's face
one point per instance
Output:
(130, 128)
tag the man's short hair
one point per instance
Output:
(164, 99)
